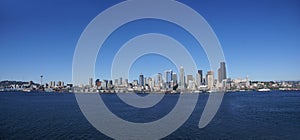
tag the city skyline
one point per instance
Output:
(259, 39)
(166, 82)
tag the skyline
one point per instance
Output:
(259, 39)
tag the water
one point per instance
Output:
(242, 115)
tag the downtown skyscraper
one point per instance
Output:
(141, 80)
(222, 72)
(210, 80)
(168, 78)
(181, 79)
(199, 77)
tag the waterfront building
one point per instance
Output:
(60, 84)
(52, 84)
(110, 84)
(135, 82)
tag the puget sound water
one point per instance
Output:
(242, 115)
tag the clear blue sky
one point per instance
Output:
(260, 38)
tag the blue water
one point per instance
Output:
(242, 115)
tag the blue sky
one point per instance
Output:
(260, 38)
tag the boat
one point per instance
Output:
(264, 90)
(26, 90)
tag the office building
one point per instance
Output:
(174, 78)
(159, 80)
(181, 78)
(199, 78)
(168, 78)
(91, 82)
(210, 79)
(141, 80)
(222, 72)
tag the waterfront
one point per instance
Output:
(242, 115)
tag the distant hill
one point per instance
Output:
(8, 83)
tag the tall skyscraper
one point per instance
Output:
(52, 84)
(189, 81)
(210, 79)
(151, 82)
(91, 82)
(104, 85)
(110, 84)
(141, 80)
(159, 80)
(120, 81)
(135, 82)
(116, 83)
(199, 78)
(174, 78)
(168, 76)
(145, 81)
(181, 78)
(189, 78)
(125, 82)
(222, 72)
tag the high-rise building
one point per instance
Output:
(135, 82)
(181, 78)
(210, 79)
(168, 78)
(151, 82)
(159, 80)
(120, 81)
(189, 81)
(104, 85)
(91, 82)
(174, 78)
(189, 78)
(199, 78)
(110, 84)
(116, 82)
(141, 80)
(60, 84)
(222, 72)
(145, 81)
(52, 84)
(125, 82)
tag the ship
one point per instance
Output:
(264, 90)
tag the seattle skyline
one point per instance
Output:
(259, 39)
